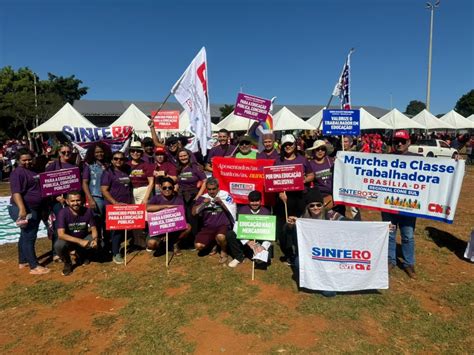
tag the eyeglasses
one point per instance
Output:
(316, 204)
(164, 188)
(65, 152)
(118, 159)
(245, 143)
(400, 141)
(135, 151)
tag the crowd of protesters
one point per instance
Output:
(163, 173)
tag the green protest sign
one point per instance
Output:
(256, 227)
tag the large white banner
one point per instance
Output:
(342, 255)
(191, 91)
(406, 184)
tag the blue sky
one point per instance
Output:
(136, 50)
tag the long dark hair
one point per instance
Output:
(282, 151)
(181, 166)
(90, 154)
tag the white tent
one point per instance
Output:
(184, 124)
(66, 116)
(430, 121)
(471, 118)
(316, 120)
(368, 121)
(135, 118)
(234, 123)
(285, 120)
(457, 121)
(398, 120)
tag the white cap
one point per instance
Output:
(288, 138)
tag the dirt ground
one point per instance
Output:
(199, 306)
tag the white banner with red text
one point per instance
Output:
(406, 184)
(342, 255)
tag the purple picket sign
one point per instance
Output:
(166, 221)
(252, 107)
(54, 183)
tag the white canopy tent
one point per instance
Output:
(135, 118)
(430, 121)
(285, 120)
(368, 121)
(471, 118)
(398, 120)
(184, 124)
(234, 123)
(316, 119)
(457, 121)
(66, 116)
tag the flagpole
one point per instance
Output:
(161, 106)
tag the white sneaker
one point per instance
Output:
(149, 250)
(233, 263)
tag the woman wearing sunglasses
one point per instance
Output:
(168, 198)
(117, 190)
(289, 155)
(66, 160)
(315, 209)
(141, 174)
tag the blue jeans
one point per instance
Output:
(406, 224)
(26, 244)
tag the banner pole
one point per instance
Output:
(161, 106)
(166, 238)
(342, 142)
(253, 266)
(286, 212)
(126, 242)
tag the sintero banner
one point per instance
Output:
(114, 136)
(342, 255)
(406, 184)
(240, 176)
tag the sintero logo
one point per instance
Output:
(347, 258)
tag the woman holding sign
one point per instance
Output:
(168, 198)
(290, 203)
(64, 161)
(117, 189)
(25, 210)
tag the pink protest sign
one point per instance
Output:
(166, 221)
(284, 178)
(58, 182)
(252, 107)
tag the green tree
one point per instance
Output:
(465, 105)
(226, 110)
(414, 107)
(66, 87)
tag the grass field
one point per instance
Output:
(200, 306)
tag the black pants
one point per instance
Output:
(63, 248)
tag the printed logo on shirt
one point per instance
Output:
(77, 227)
(124, 180)
(137, 173)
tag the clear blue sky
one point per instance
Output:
(292, 49)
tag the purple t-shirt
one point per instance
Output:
(213, 215)
(161, 200)
(323, 175)
(247, 210)
(140, 173)
(167, 167)
(273, 155)
(219, 151)
(119, 185)
(26, 183)
(57, 165)
(75, 225)
(298, 160)
(189, 177)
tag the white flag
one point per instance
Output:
(342, 255)
(191, 91)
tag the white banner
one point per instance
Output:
(342, 255)
(406, 184)
(191, 91)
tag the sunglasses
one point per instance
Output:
(164, 188)
(118, 159)
(286, 145)
(66, 152)
(135, 151)
(320, 149)
(399, 141)
(244, 143)
(316, 204)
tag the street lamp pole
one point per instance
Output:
(431, 7)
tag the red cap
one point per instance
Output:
(160, 150)
(402, 134)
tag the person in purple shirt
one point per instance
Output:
(238, 250)
(163, 168)
(76, 231)
(224, 149)
(149, 149)
(168, 198)
(290, 203)
(117, 190)
(25, 210)
(217, 210)
(66, 160)
(323, 167)
(269, 151)
(192, 184)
